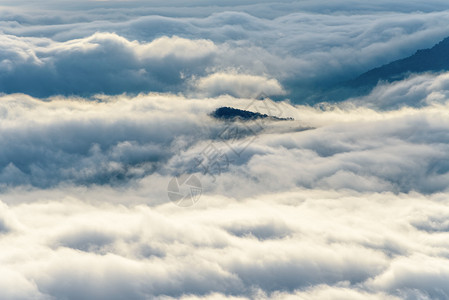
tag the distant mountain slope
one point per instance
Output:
(433, 59)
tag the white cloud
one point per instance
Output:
(177, 48)
(314, 213)
(346, 201)
(171, 251)
(302, 47)
(237, 85)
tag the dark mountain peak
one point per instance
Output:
(233, 114)
(444, 42)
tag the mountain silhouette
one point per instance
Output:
(233, 114)
(434, 59)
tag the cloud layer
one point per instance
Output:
(278, 222)
(302, 243)
(104, 102)
(163, 48)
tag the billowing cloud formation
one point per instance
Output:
(100, 63)
(237, 85)
(101, 109)
(278, 222)
(304, 48)
(121, 138)
(417, 90)
(301, 243)
(108, 63)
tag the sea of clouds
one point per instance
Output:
(103, 102)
